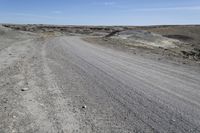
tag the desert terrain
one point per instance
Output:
(99, 79)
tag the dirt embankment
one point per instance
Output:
(177, 43)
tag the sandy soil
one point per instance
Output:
(52, 82)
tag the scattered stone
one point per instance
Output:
(5, 100)
(34, 57)
(14, 131)
(84, 107)
(24, 89)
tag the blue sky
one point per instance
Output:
(100, 12)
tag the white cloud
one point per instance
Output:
(105, 3)
(169, 8)
(109, 3)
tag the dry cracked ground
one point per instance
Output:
(52, 82)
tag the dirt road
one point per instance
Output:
(74, 86)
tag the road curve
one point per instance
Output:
(112, 91)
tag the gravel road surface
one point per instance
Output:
(63, 84)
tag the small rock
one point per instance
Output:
(5, 100)
(24, 89)
(14, 131)
(84, 107)
(34, 57)
(173, 120)
(184, 62)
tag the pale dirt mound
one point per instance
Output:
(9, 36)
(146, 38)
(13, 34)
